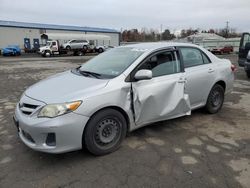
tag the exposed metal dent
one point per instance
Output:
(159, 101)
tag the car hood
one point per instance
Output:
(64, 87)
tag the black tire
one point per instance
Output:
(105, 132)
(68, 48)
(47, 54)
(85, 48)
(215, 99)
(100, 50)
(80, 53)
(248, 74)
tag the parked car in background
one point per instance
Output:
(103, 48)
(11, 51)
(76, 44)
(226, 49)
(118, 91)
(53, 47)
(244, 53)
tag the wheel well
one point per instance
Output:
(119, 109)
(221, 83)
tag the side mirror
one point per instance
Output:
(143, 75)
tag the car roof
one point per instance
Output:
(157, 45)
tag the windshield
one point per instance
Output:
(113, 62)
(48, 43)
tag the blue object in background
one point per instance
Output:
(27, 43)
(11, 51)
(36, 44)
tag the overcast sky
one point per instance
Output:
(126, 14)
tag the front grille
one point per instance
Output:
(27, 109)
(30, 106)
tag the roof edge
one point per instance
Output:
(5, 23)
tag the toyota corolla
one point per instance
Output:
(123, 89)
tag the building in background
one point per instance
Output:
(28, 35)
(211, 40)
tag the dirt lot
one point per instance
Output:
(200, 150)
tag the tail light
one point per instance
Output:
(233, 68)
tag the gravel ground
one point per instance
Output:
(200, 150)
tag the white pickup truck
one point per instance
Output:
(53, 47)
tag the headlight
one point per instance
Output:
(54, 110)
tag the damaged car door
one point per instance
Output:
(161, 95)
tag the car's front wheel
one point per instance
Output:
(215, 99)
(105, 132)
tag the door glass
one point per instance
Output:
(206, 60)
(246, 40)
(164, 63)
(191, 57)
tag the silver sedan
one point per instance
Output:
(123, 89)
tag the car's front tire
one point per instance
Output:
(215, 99)
(105, 132)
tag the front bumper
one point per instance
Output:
(67, 130)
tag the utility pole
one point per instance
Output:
(227, 29)
(161, 33)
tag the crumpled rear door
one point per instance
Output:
(160, 98)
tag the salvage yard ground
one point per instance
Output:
(200, 150)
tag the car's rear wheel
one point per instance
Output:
(85, 47)
(215, 99)
(105, 132)
(68, 48)
(100, 50)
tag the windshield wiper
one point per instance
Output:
(88, 73)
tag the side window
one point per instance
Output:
(53, 43)
(193, 57)
(92, 42)
(73, 41)
(246, 39)
(164, 63)
(205, 59)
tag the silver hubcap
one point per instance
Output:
(216, 98)
(107, 131)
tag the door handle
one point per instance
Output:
(181, 80)
(210, 70)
